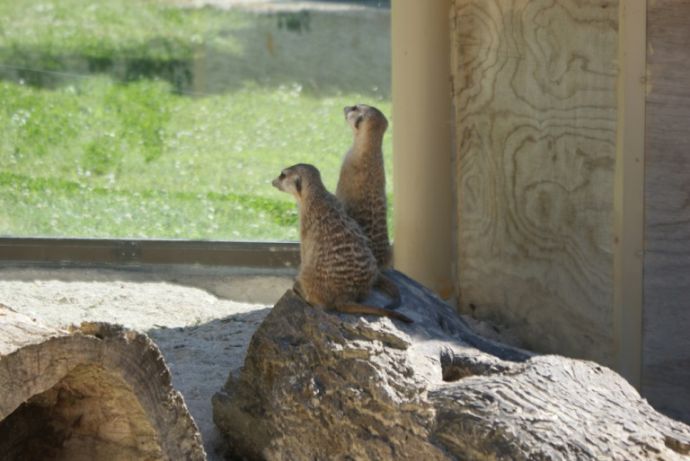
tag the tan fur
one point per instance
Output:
(362, 184)
(338, 269)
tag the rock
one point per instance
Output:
(320, 385)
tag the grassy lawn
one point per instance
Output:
(131, 118)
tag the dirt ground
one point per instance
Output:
(201, 319)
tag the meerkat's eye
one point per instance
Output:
(282, 175)
(358, 121)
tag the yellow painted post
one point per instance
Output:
(422, 148)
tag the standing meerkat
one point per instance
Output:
(362, 183)
(338, 269)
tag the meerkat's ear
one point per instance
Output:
(359, 120)
(298, 185)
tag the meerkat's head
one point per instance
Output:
(296, 178)
(365, 119)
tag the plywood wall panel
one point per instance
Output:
(666, 316)
(535, 100)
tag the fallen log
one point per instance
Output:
(319, 385)
(96, 392)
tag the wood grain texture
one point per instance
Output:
(666, 342)
(535, 100)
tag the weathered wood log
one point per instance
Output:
(319, 385)
(96, 392)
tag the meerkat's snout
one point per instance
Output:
(354, 116)
(278, 181)
(290, 181)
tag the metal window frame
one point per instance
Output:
(271, 255)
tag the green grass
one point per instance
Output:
(135, 119)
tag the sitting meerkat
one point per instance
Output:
(362, 183)
(338, 269)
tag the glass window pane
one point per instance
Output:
(162, 119)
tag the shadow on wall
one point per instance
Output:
(320, 52)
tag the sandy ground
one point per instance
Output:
(202, 319)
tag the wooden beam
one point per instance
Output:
(665, 339)
(629, 191)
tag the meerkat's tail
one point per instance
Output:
(297, 288)
(372, 310)
(389, 287)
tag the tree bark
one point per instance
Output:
(320, 385)
(95, 392)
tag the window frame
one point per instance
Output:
(284, 254)
(97, 251)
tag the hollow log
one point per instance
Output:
(320, 385)
(94, 392)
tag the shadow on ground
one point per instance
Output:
(200, 357)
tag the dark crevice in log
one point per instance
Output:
(30, 433)
(677, 445)
(456, 367)
(60, 421)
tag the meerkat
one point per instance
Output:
(362, 183)
(338, 269)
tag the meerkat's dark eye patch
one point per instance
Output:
(359, 120)
(282, 175)
(298, 185)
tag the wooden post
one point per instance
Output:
(629, 191)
